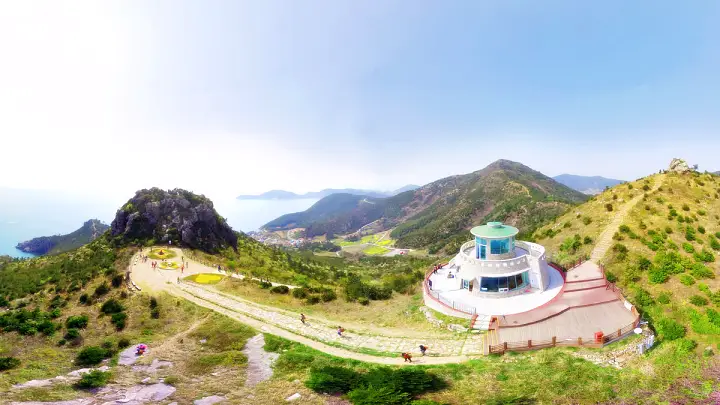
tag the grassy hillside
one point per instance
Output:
(88, 232)
(438, 215)
(665, 254)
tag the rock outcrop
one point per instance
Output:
(177, 216)
(42, 245)
(679, 166)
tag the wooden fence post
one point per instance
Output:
(504, 347)
(529, 343)
(619, 333)
(554, 340)
(580, 341)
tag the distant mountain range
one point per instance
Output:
(43, 245)
(288, 195)
(439, 214)
(587, 184)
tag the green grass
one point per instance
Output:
(205, 278)
(375, 250)
(167, 253)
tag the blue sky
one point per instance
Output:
(244, 96)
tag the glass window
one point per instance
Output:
(483, 249)
(489, 284)
(519, 280)
(499, 246)
(502, 283)
(466, 284)
(483, 241)
(512, 284)
(525, 278)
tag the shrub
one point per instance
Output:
(363, 301)
(84, 299)
(664, 298)
(669, 329)
(155, 313)
(111, 306)
(699, 300)
(102, 289)
(643, 298)
(704, 256)
(668, 230)
(331, 379)
(587, 220)
(123, 343)
(609, 207)
(280, 289)
(117, 280)
(94, 379)
(688, 247)
(312, 300)
(77, 321)
(265, 285)
(701, 229)
(587, 240)
(685, 345)
(644, 263)
(92, 355)
(7, 363)
(685, 207)
(687, 279)
(153, 302)
(72, 333)
(300, 293)
(646, 187)
(328, 295)
(119, 320)
(699, 270)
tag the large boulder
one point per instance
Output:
(180, 216)
(679, 166)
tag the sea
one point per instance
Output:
(26, 214)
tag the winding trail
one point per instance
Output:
(605, 239)
(315, 333)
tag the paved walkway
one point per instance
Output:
(605, 239)
(314, 333)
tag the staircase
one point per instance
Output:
(480, 322)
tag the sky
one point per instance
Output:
(237, 97)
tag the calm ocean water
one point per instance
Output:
(27, 214)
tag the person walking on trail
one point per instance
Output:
(407, 357)
(182, 269)
(423, 349)
(340, 331)
(302, 318)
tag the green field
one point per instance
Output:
(375, 250)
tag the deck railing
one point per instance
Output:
(451, 304)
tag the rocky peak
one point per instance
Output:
(678, 165)
(180, 216)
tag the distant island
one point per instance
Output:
(590, 185)
(43, 245)
(289, 195)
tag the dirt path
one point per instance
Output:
(314, 334)
(605, 239)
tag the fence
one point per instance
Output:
(593, 342)
(451, 304)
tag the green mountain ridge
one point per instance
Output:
(438, 214)
(55, 244)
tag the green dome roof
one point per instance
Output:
(494, 230)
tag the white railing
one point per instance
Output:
(458, 306)
(467, 255)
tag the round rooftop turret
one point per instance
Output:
(494, 230)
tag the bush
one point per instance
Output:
(685, 207)
(280, 289)
(688, 247)
(664, 298)
(300, 293)
(92, 355)
(119, 320)
(111, 306)
(94, 379)
(687, 279)
(265, 285)
(699, 270)
(657, 276)
(704, 256)
(587, 240)
(312, 300)
(609, 207)
(117, 280)
(701, 229)
(84, 299)
(328, 295)
(77, 321)
(587, 220)
(363, 301)
(643, 298)
(685, 345)
(123, 343)
(7, 363)
(155, 313)
(699, 300)
(72, 333)
(331, 379)
(669, 329)
(102, 289)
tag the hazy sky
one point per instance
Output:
(231, 97)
